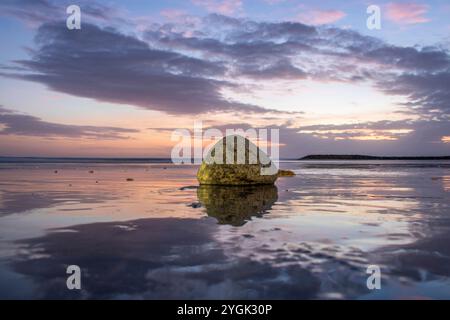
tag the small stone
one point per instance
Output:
(130, 179)
(188, 188)
(286, 173)
(195, 205)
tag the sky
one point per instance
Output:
(139, 69)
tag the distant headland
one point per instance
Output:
(365, 157)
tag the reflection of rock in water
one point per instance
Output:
(235, 205)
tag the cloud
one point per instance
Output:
(26, 125)
(226, 7)
(319, 17)
(249, 42)
(281, 69)
(173, 14)
(33, 12)
(427, 58)
(407, 13)
(428, 93)
(290, 50)
(186, 68)
(36, 12)
(106, 65)
(398, 137)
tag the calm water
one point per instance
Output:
(160, 236)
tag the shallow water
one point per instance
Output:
(160, 236)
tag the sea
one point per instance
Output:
(145, 229)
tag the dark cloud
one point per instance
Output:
(36, 12)
(428, 58)
(248, 48)
(26, 125)
(281, 69)
(106, 65)
(30, 11)
(184, 68)
(428, 93)
(291, 50)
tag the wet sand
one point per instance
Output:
(146, 231)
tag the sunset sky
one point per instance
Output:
(139, 69)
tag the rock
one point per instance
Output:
(235, 205)
(246, 167)
(286, 173)
(130, 179)
(188, 188)
(195, 205)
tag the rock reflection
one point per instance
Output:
(235, 205)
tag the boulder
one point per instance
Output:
(234, 160)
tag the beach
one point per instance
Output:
(148, 231)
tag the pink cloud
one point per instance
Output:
(226, 7)
(274, 1)
(173, 14)
(407, 13)
(180, 17)
(318, 17)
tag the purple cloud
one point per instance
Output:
(26, 125)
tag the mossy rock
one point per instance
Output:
(286, 173)
(235, 205)
(249, 166)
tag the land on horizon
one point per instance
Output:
(366, 157)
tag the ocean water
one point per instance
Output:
(142, 230)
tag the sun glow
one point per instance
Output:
(315, 97)
(359, 134)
